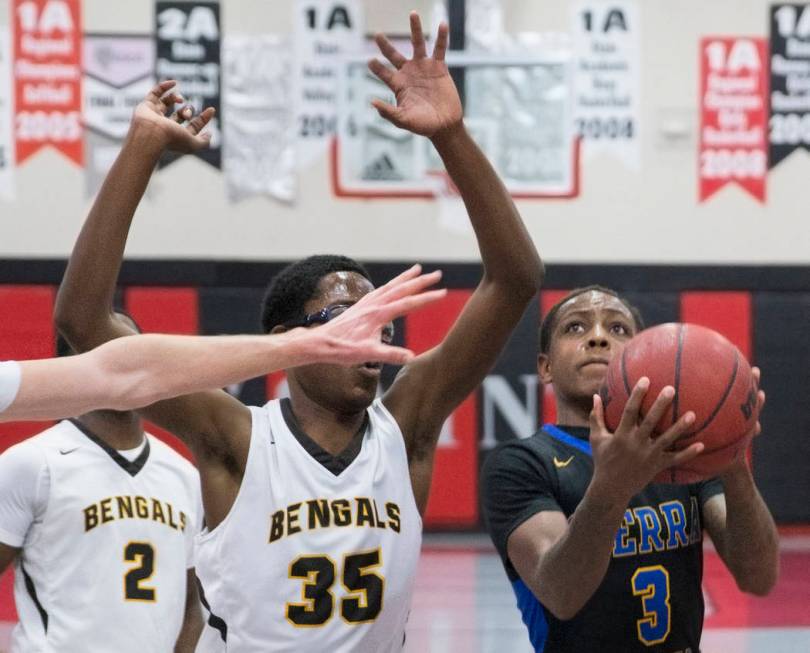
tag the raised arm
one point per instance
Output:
(84, 304)
(563, 561)
(427, 391)
(129, 373)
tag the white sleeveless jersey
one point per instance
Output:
(310, 561)
(105, 567)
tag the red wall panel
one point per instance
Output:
(26, 331)
(454, 492)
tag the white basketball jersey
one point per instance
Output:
(105, 567)
(308, 560)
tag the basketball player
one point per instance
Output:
(100, 520)
(600, 559)
(146, 368)
(313, 505)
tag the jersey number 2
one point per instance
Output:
(142, 553)
(364, 597)
(652, 585)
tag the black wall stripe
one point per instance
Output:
(782, 450)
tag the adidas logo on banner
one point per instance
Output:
(382, 168)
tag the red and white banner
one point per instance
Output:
(733, 99)
(48, 77)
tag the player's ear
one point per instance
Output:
(544, 369)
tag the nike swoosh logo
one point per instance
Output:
(562, 463)
(65, 452)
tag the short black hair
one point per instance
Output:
(296, 284)
(64, 349)
(550, 320)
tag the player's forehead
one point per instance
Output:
(342, 287)
(593, 304)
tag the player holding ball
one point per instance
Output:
(600, 557)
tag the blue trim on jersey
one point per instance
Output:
(567, 438)
(533, 614)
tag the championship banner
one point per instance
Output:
(607, 79)
(187, 38)
(6, 140)
(118, 73)
(733, 87)
(47, 75)
(324, 31)
(259, 135)
(790, 81)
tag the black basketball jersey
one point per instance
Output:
(650, 599)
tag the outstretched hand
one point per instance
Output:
(179, 131)
(427, 99)
(355, 336)
(626, 460)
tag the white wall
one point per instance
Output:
(621, 216)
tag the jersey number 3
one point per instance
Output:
(364, 597)
(652, 585)
(143, 554)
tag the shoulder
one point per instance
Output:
(37, 446)
(534, 451)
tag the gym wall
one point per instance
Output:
(647, 216)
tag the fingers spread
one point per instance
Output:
(159, 89)
(675, 432)
(657, 410)
(417, 37)
(389, 51)
(410, 286)
(408, 304)
(387, 111)
(200, 121)
(391, 354)
(183, 114)
(169, 100)
(382, 71)
(632, 409)
(681, 457)
(442, 38)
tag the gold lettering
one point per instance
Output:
(106, 510)
(172, 523)
(392, 510)
(141, 507)
(365, 514)
(157, 512)
(124, 507)
(292, 519)
(341, 512)
(90, 517)
(318, 512)
(277, 525)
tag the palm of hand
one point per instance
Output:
(427, 100)
(150, 113)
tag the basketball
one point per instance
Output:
(711, 377)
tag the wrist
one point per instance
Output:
(605, 496)
(298, 346)
(448, 135)
(737, 474)
(147, 137)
